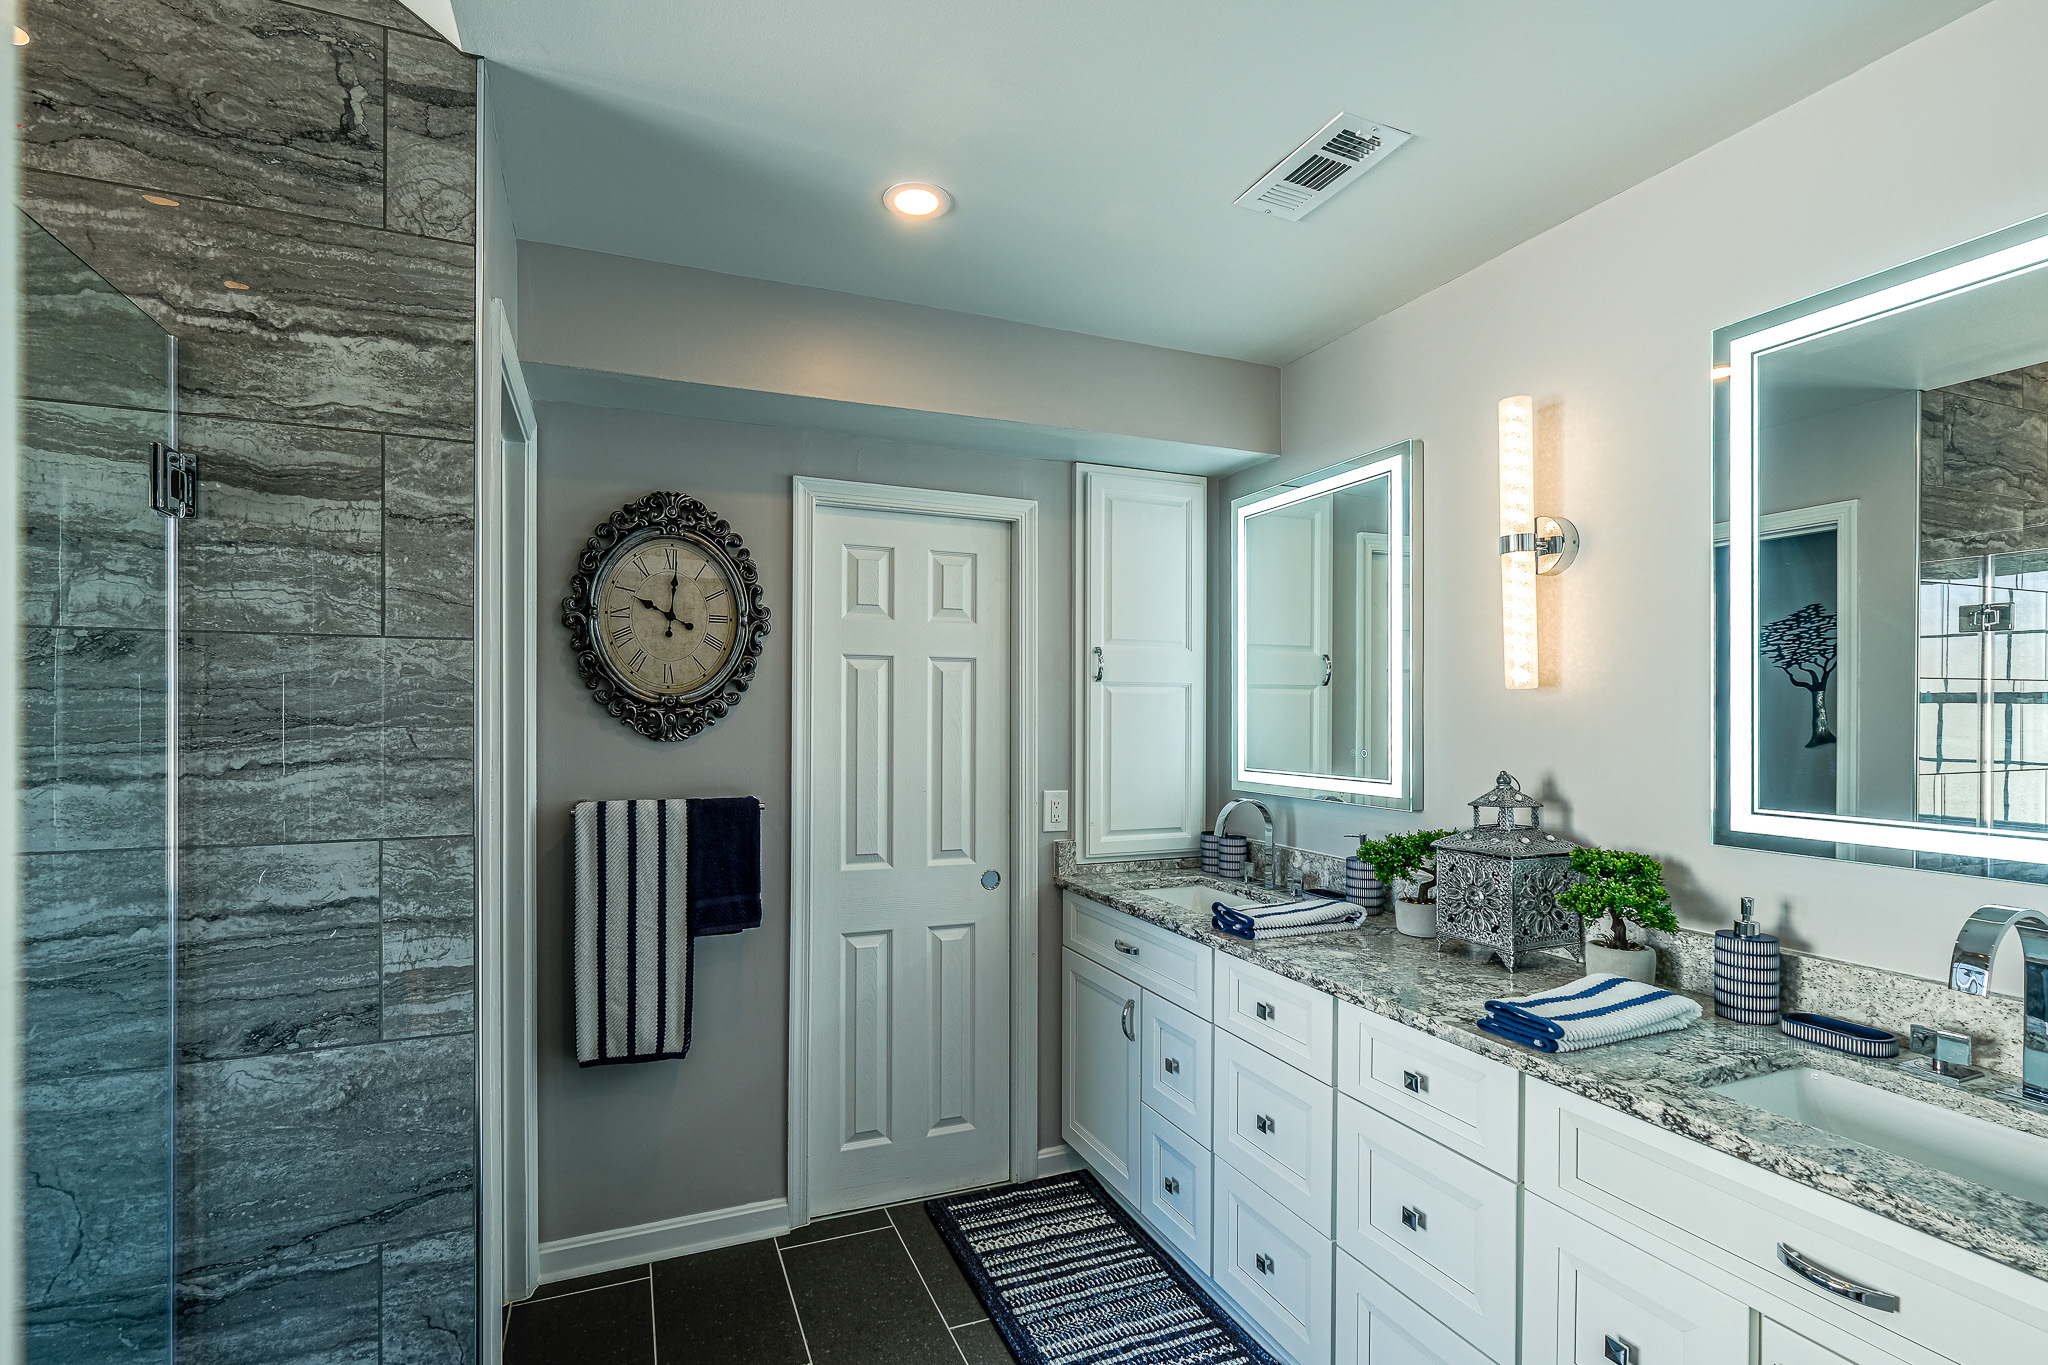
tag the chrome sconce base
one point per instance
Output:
(1554, 541)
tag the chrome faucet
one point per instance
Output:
(1969, 971)
(1272, 864)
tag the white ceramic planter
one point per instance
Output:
(1636, 963)
(1415, 920)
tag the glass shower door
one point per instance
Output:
(98, 892)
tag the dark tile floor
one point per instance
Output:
(873, 1288)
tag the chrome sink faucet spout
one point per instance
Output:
(1272, 863)
(1969, 971)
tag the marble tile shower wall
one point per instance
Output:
(323, 154)
(1984, 466)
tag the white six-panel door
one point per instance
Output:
(1142, 641)
(1290, 634)
(909, 797)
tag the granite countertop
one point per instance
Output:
(1664, 1080)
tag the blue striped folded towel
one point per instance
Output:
(1597, 1009)
(1309, 915)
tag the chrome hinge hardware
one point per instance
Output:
(1984, 618)
(173, 481)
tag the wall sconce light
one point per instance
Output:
(1529, 544)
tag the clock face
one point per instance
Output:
(665, 614)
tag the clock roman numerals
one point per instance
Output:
(618, 635)
(713, 643)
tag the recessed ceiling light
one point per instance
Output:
(234, 284)
(20, 36)
(915, 199)
(161, 200)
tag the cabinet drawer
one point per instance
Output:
(1273, 1266)
(1295, 1023)
(1783, 1346)
(1617, 1169)
(1438, 1227)
(1176, 968)
(1276, 1125)
(1592, 1298)
(1174, 1194)
(1179, 1068)
(1376, 1325)
(1470, 1104)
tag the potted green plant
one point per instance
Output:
(1407, 864)
(1621, 889)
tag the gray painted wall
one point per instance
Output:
(325, 1147)
(625, 1145)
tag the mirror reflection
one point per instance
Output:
(1884, 669)
(1322, 633)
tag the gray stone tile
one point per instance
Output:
(277, 949)
(95, 947)
(289, 1308)
(251, 101)
(432, 117)
(289, 531)
(96, 1210)
(429, 909)
(2004, 388)
(430, 1301)
(429, 538)
(2034, 388)
(93, 548)
(1997, 451)
(389, 13)
(311, 738)
(315, 1153)
(341, 326)
(82, 341)
(94, 773)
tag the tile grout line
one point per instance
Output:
(653, 1327)
(795, 1311)
(570, 1293)
(918, 1271)
(837, 1237)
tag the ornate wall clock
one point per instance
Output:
(665, 615)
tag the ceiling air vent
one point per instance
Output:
(1345, 149)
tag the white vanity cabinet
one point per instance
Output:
(1099, 1058)
(1142, 648)
(1379, 1325)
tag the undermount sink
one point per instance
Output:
(1993, 1156)
(1200, 897)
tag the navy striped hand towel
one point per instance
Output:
(634, 953)
(1597, 1009)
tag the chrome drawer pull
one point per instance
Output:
(1172, 1185)
(1264, 1010)
(1265, 1123)
(1415, 1220)
(1130, 1008)
(1124, 947)
(1415, 1082)
(1264, 1263)
(1173, 1066)
(1835, 1284)
(1620, 1352)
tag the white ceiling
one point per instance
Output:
(1093, 147)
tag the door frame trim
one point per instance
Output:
(808, 496)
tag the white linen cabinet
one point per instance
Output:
(1141, 617)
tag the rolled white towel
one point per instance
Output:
(1309, 915)
(1596, 1009)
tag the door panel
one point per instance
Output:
(910, 718)
(1143, 642)
(1099, 1070)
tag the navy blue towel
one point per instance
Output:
(725, 865)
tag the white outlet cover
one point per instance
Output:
(1055, 812)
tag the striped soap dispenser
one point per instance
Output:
(1746, 971)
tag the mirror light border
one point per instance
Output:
(1394, 464)
(1741, 348)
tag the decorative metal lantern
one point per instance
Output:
(1497, 883)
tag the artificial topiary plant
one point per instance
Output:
(1406, 857)
(1625, 888)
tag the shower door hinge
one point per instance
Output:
(173, 481)
(1983, 618)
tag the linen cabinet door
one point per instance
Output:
(1590, 1298)
(1099, 1070)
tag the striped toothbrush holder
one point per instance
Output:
(1362, 888)
(1223, 855)
(1746, 977)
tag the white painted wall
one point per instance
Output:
(1606, 319)
(597, 312)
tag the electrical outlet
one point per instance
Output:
(1055, 812)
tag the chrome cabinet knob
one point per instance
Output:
(1415, 1220)
(1263, 1010)
(1265, 1122)
(1172, 1185)
(1415, 1082)
(1173, 1066)
(1620, 1352)
(1264, 1263)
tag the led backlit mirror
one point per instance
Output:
(1881, 567)
(1323, 635)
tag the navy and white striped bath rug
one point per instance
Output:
(1069, 1279)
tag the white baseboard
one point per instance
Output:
(1057, 1160)
(596, 1251)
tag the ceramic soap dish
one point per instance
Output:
(1839, 1035)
